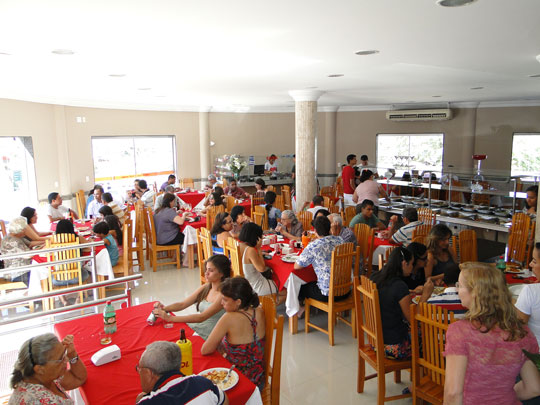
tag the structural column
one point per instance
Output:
(64, 169)
(204, 142)
(305, 140)
(326, 147)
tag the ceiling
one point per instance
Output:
(247, 55)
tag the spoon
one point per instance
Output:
(228, 374)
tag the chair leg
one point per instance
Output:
(178, 258)
(140, 259)
(306, 316)
(397, 376)
(331, 324)
(361, 374)
(381, 387)
(353, 323)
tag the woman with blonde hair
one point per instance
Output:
(484, 351)
(440, 254)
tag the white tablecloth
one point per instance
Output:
(103, 268)
(379, 250)
(190, 238)
(293, 284)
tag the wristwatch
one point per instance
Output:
(74, 359)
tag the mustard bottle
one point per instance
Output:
(187, 354)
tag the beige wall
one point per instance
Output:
(484, 130)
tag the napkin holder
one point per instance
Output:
(106, 355)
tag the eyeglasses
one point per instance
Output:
(61, 360)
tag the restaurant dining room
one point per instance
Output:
(269, 203)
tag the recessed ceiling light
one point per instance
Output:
(62, 52)
(144, 88)
(454, 3)
(538, 75)
(477, 88)
(436, 96)
(367, 52)
(336, 75)
(117, 75)
(5, 54)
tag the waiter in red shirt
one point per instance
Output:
(348, 176)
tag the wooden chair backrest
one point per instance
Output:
(257, 199)
(365, 237)
(235, 256)
(383, 258)
(224, 183)
(327, 191)
(341, 268)
(124, 266)
(270, 188)
(260, 217)
(273, 347)
(279, 203)
(139, 222)
(348, 214)
(467, 246)
(60, 238)
(286, 194)
(81, 202)
(187, 182)
(420, 239)
(334, 209)
(285, 187)
(369, 321)
(204, 250)
(128, 237)
(2, 229)
(518, 238)
(68, 271)
(150, 227)
(427, 216)
(422, 230)
(432, 321)
(305, 217)
(211, 215)
(327, 202)
(229, 202)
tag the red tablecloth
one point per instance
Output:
(383, 242)
(511, 280)
(283, 270)
(117, 382)
(193, 197)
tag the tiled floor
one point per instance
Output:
(312, 371)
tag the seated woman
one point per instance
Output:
(65, 226)
(253, 261)
(395, 301)
(31, 233)
(167, 222)
(207, 299)
(220, 231)
(40, 374)
(207, 200)
(415, 281)
(239, 217)
(104, 211)
(290, 226)
(531, 202)
(273, 213)
(115, 229)
(260, 187)
(241, 331)
(484, 351)
(215, 200)
(439, 253)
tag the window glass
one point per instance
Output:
(526, 154)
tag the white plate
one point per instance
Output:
(292, 258)
(85, 233)
(233, 380)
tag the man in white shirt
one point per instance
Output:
(318, 202)
(147, 196)
(116, 209)
(270, 167)
(97, 202)
(404, 234)
(57, 211)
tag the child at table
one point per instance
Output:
(101, 230)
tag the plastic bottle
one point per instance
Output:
(109, 319)
(501, 264)
(187, 353)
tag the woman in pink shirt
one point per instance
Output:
(484, 351)
(368, 189)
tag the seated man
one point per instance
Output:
(55, 210)
(159, 199)
(170, 182)
(318, 253)
(364, 215)
(290, 226)
(404, 234)
(97, 202)
(449, 299)
(212, 182)
(147, 196)
(162, 382)
(107, 199)
(234, 191)
(318, 202)
(337, 229)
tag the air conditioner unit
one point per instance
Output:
(419, 115)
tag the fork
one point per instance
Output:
(228, 374)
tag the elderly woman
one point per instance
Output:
(290, 226)
(14, 242)
(337, 229)
(40, 374)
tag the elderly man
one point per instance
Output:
(337, 229)
(97, 202)
(159, 199)
(55, 210)
(212, 182)
(234, 191)
(162, 383)
(404, 234)
(290, 226)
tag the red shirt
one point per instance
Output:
(347, 175)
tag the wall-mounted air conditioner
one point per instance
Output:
(420, 115)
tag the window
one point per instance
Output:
(410, 152)
(120, 160)
(17, 176)
(526, 154)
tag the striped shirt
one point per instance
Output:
(404, 234)
(449, 300)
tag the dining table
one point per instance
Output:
(286, 276)
(193, 198)
(380, 246)
(118, 382)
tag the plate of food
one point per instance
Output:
(438, 290)
(83, 228)
(290, 258)
(218, 374)
(513, 269)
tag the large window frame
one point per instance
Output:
(522, 143)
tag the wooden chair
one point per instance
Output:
(211, 215)
(383, 258)
(204, 250)
(428, 369)
(272, 352)
(467, 246)
(340, 284)
(305, 217)
(327, 191)
(334, 209)
(422, 230)
(256, 199)
(155, 248)
(137, 245)
(187, 182)
(348, 214)
(518, 238)
(371, 350)
(285, 187)
(81, 202)
(124, 267)
(420, 239)
(2, 229)
(286, 194)
(427, 216)
(365, 237)
(224, 183)
(530, 244)
(279, 203)
(229, 202)
(235, 256)
(270, 188)
(327, 202)
(260, 217)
